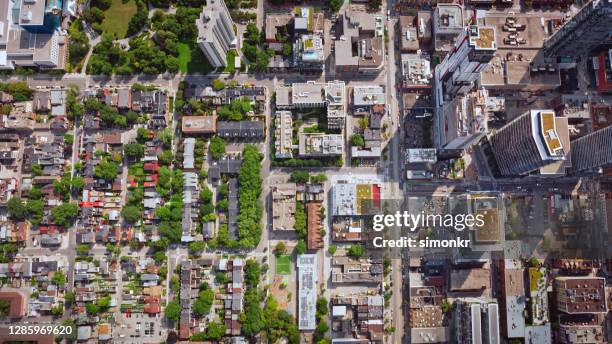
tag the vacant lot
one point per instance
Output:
(117, 17)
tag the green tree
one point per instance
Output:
(357, 140)
(131, 213)
(59, 278)
(36, 208)
(5, 308)
(70, 297)
(446, 306)
(91, 308)
(68, 139)
(106, 170)
(172, 64)
(215, 331)
(37, 170)
(196, 246)
(165, 136)
(173, 310)
(363, 123)
(300, 176)
(202, 305)
(355, 251)
(78, 183)
(165, 157)
(252, 272)
(142, 135)
(82, 249)
(319, 178)
(221, 278)
(287, 49)
(64, 213)
(335, 5)
(104, 303)
(300, 247)
(332, 249)
(58, 310)
(16, 208)
(134, 150)
(217, 147)
(281, 248)
(218, 85)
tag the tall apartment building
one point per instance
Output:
(216, 32)
(589, 28)
(474, 48)
(331, 94)
(30, 34)
(584, 155)
(527, 143)
(448, 24)
(476, 322)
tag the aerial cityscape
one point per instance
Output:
(292, 171)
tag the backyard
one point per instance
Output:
(117, 17)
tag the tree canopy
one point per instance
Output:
(64, 213)
(106, 170)
(217, 147)
(16, 208)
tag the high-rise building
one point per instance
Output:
(589, 28)
(216, 32)
(473, 50)
(30, 34)
(527, 143)
(592, 151)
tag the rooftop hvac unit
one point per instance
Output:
(27, 16)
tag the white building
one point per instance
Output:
(216, 32)
(283, 135)
(368, 95)
(307, 291)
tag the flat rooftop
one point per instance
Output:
(490, 231)
(482, 37)
(548, 128)
(559, 167)
(32, 12)
(470, 279)
(307, 93)
(199, 124)
(581, 294)
(448, 16)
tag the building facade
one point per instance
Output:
(527, 143)
(216, 32)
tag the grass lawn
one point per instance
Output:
(192, 60)
(283, 265)
(231, 61)
(117, 17)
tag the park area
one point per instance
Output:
(117, 17)
(283, 264)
